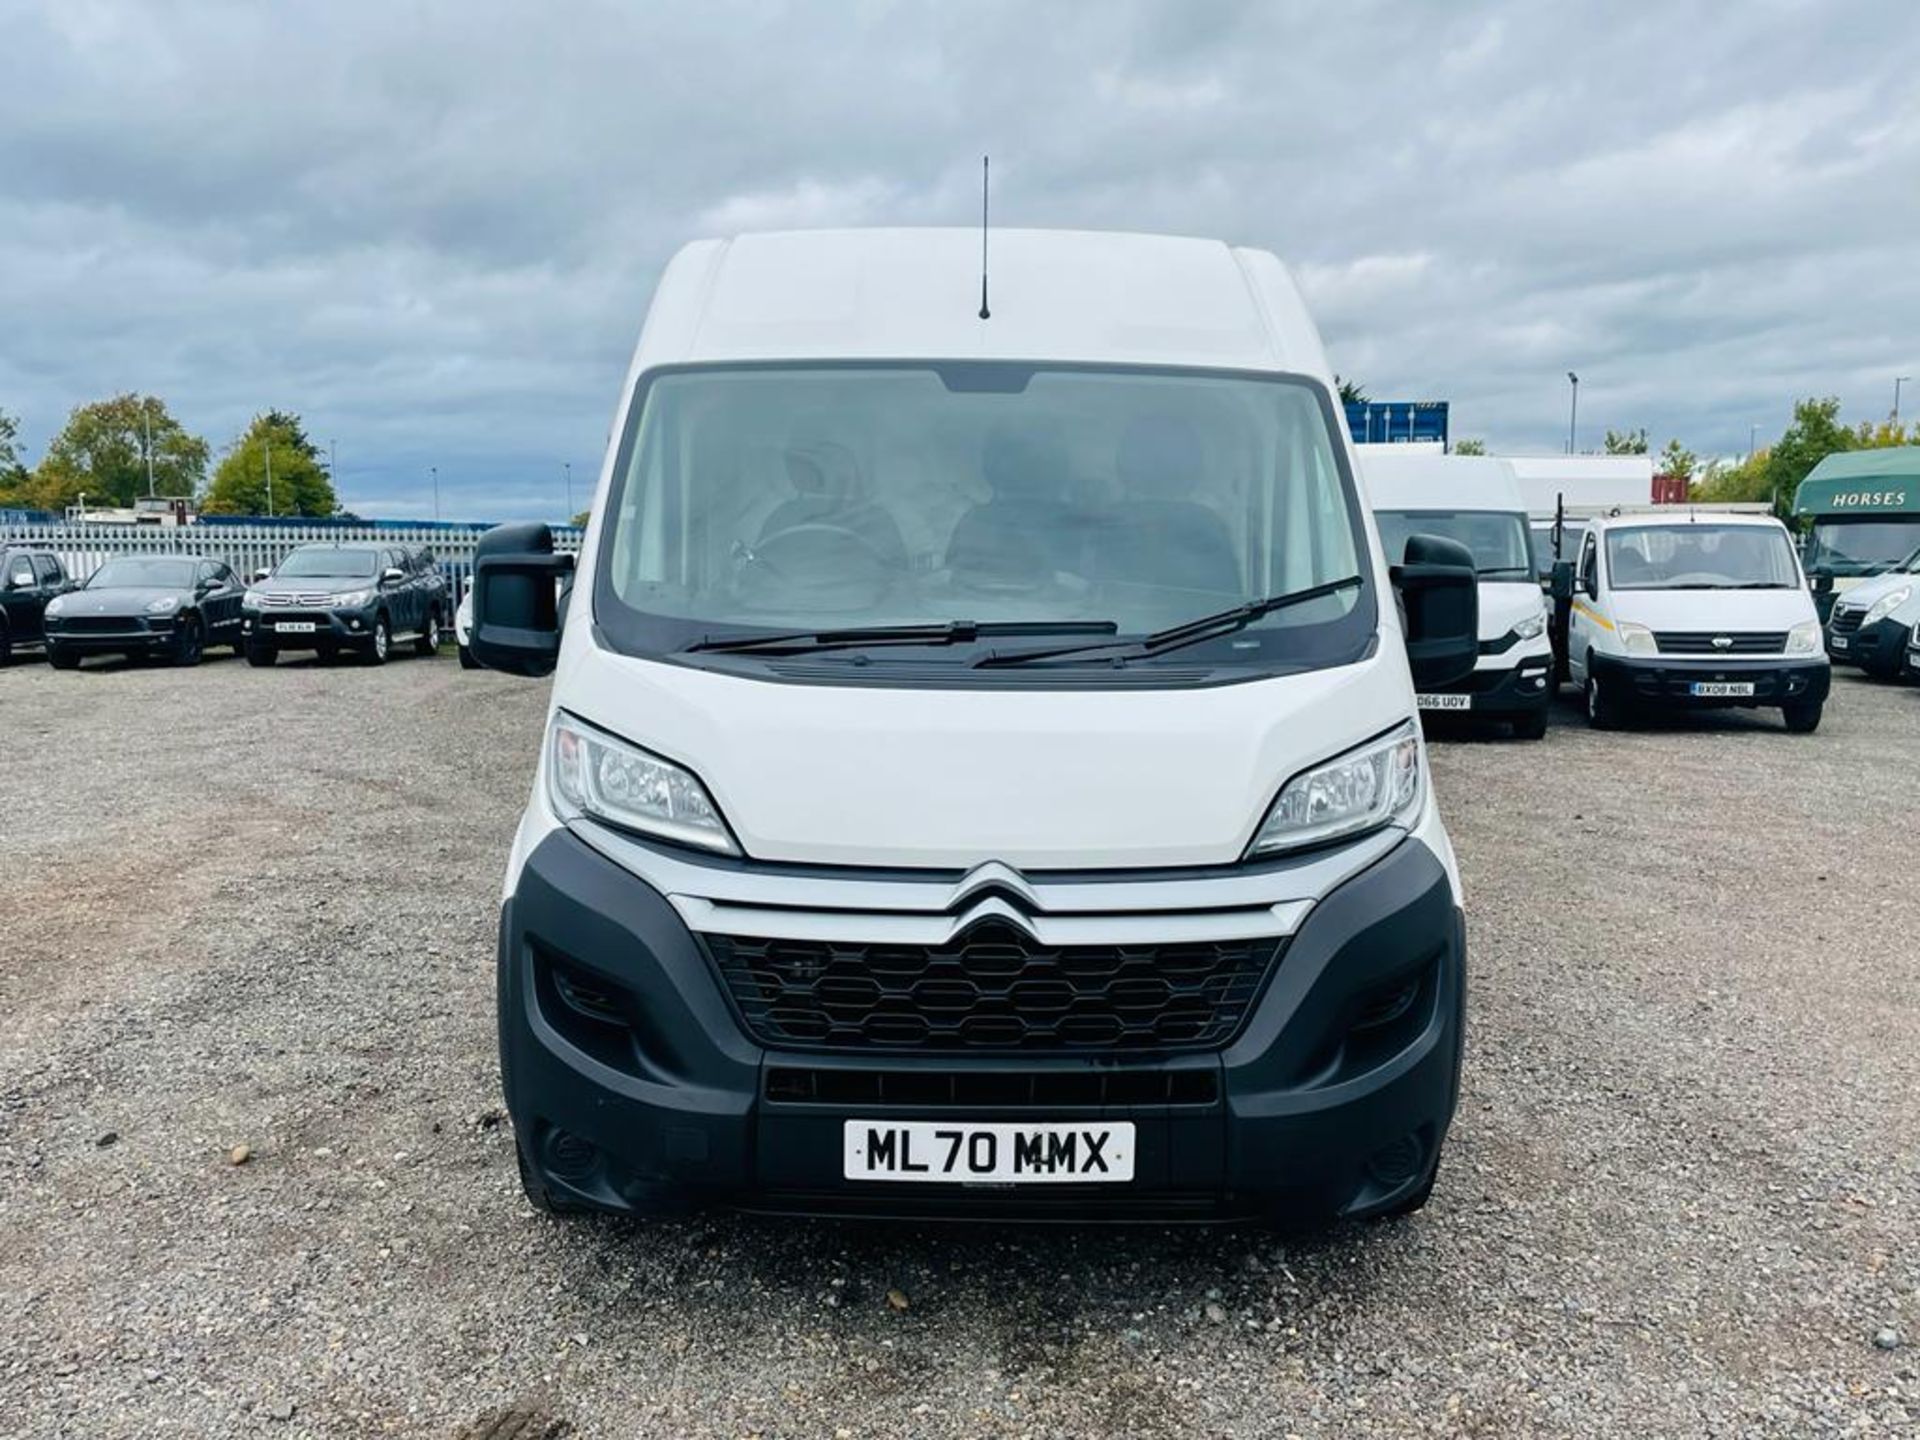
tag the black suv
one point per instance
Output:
(355, 597)
(29, 578)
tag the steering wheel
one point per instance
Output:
(818, 565)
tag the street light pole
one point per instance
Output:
(146, 420)
(435, 471)
(571, 512)
(1753, 433)
(266, 439)
(1573, 409)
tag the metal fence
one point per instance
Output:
(250, 545)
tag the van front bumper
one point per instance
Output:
(1656, 680)
(1879, 647)
(634, 1085)
(1521, 689)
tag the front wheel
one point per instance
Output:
(261, 655)
(467, 662)
(1603, 711)
(1530, 725)
(61, 658)
(1803, 718)
(382, 645)
(190, 643)
(428, 642)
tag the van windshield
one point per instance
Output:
(1497, 539)
(782, 498)
(1700, 557)
(1861, 547)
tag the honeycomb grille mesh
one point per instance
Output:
(993, 987)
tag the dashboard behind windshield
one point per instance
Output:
(810, 497)
(1700, 557)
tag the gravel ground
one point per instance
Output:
(254, 1180)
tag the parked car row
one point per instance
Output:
(326, 599)
(1875, 623)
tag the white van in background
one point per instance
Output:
(1690, 610)
(1474, 500)
(960, 712)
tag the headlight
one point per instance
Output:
(352, 599)
(1364, 789)
(1804, 638)
(250, 600)
(55, 605)
(590, 773)
(1532, 627)
(1636, 639)
(1887, 604)
(165, 605)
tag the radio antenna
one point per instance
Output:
(985, 313)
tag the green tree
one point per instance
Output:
(1352, 392)
(581, 519)
(1470, 447)
(1626, 442)
(1816, 432)
(1676, 459)
(103, 453)
(1744, 480)
(1887, 433)
(275, 445)
(13, 475)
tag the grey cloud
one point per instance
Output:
(432, 228)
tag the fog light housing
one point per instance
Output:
(1399, 1162)
(567, 1156)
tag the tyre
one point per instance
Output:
(1603, 711)
(6, 648)
(1880, 669)
(382, 644)
(1803, 718)
(428, 642)
(190, 644)
(325, 654)
(261, 654)
(61, 658)
(1530, 725)
(467, 662)
(537, 1194)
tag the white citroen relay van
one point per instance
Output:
(1476, 501)
(1693, 609)
(982, 774)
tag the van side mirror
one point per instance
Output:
(262, 573)
(1560, 586)
(516, 610)
(1440, 593)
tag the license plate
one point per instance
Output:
(295, 627)
(1839, 642)
(1444, 702)
(987, 1154)
(1716, 688)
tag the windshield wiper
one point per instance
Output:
(946, 632)
(1207, 627)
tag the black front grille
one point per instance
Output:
(1846, 621)
(995, 988)
(97, 625)
(932, 1089)
(1704, 642)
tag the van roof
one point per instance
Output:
(1055, 295)
(1425, 481)
(1679, 515)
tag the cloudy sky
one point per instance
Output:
(432, 228)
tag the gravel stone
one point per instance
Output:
(1680, 1189)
